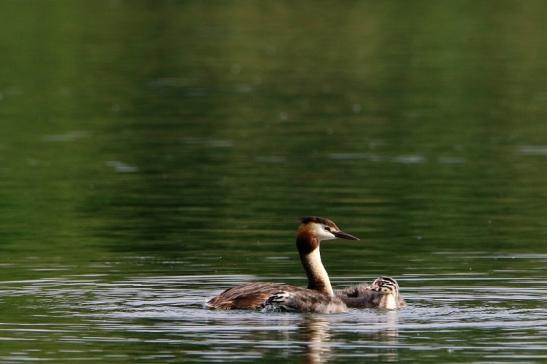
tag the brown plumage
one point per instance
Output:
(319, 296)
(250, 295)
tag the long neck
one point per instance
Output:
(318, 279)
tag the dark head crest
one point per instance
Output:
(317, 219)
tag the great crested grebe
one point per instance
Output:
(319, 296)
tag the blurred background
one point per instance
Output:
(184, 139)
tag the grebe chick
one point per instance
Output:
(382, 293)
(255, 295)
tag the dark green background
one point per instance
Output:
(185, 138)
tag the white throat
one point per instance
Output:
(317, 274)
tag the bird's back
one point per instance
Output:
(249, 296)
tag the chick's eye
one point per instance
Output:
(327, 228)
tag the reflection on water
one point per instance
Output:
(161, 317)
(315, 334)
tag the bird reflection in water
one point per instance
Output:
(322, 345)
(316, 335)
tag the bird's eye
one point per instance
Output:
(327, 228)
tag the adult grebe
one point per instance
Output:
(319, 296)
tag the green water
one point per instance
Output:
(153, 153)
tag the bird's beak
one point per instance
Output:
(343, 235)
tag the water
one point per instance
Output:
(154, 153)
(457, 318)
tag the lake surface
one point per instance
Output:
(153, 153)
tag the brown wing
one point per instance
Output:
(248, 296)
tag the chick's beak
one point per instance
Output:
(343, 235)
